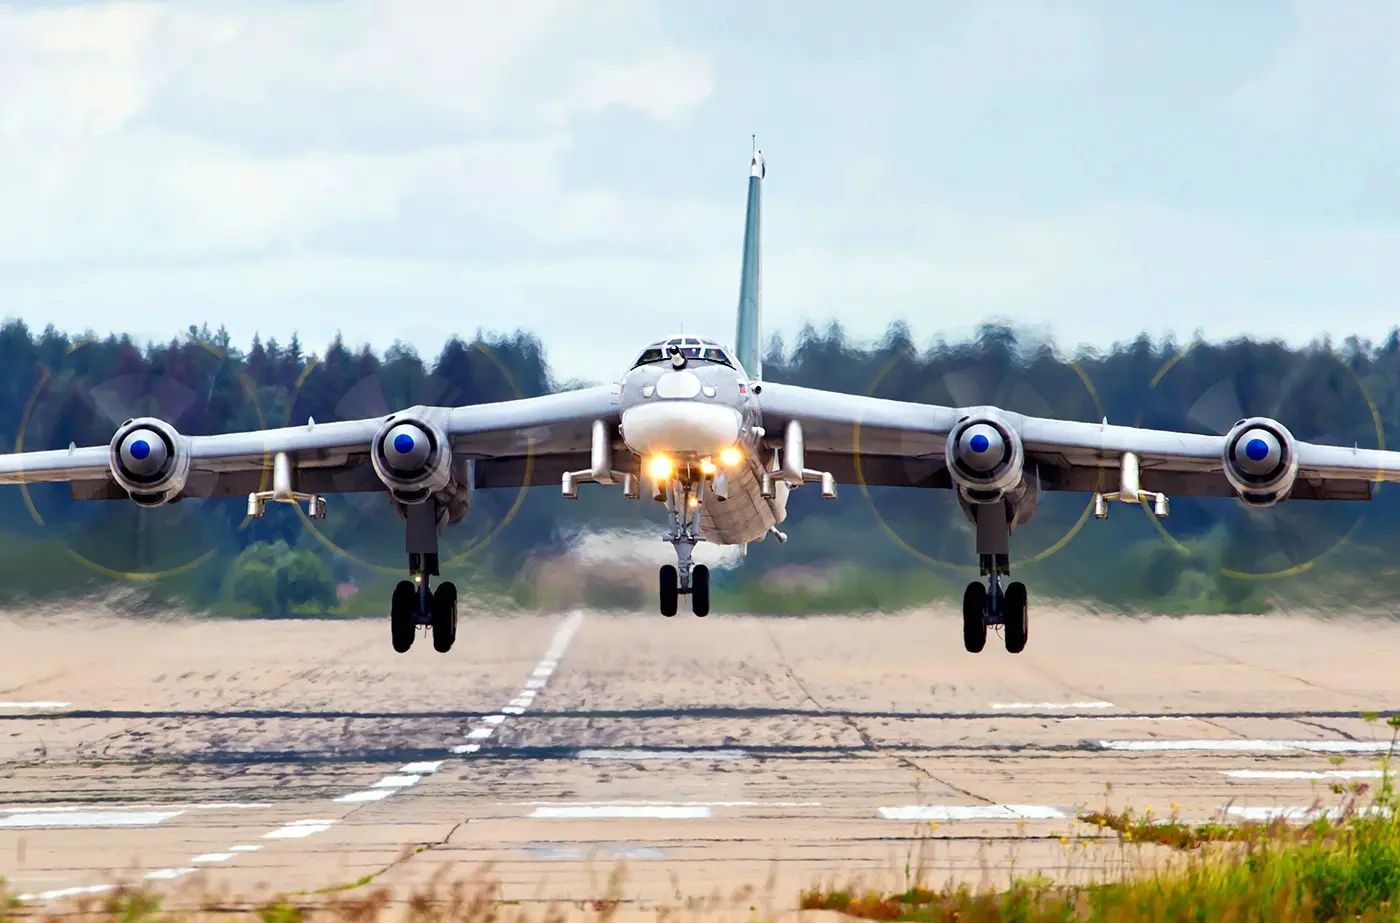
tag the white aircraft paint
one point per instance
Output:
(210, 857)
(397, 781)
(35, 705)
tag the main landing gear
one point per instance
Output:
(415, 603)
(685, 577)
(993, 604)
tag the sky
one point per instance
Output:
(411, 170)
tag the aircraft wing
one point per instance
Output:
(509, 443)
(883, 442)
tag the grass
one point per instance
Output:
(1347, 869)
(1343, 864)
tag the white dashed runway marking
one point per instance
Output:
(1265, 814)
(68, 892)
(299, 829)
(406, 777)
(64, 818)
(423, 768)
(370, 794)
(1302, 773)
(604, 811)
(1251, 746)
(944, 813)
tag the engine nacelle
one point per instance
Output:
(412, 458)
(1260, 460)
(149, 461)
(985, 457)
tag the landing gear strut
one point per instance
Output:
(415, 603)
(993, 604)
(685, 577)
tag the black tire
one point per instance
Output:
(700, 590)
(974, 624)
(1018, 618)
(670, 590)
(403, 615)
(444, 617)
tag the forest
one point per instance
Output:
(870, 549)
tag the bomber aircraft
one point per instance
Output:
(696, 425)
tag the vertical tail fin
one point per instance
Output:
(746, 339)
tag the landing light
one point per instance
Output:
(659, 467)
(731, 456)
(707, 467)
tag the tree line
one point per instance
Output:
(872, 548)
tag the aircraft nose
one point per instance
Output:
(680, 426)
(680, 385)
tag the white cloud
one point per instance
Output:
(151, 131)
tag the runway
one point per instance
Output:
(587, 755)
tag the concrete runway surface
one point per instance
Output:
(689, 758)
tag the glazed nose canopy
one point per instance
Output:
(981, 447)
(406, 447)
(143, 455)
(1258, 452)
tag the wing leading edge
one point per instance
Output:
(524, 441)
(884, 442)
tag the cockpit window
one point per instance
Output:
(692, 349)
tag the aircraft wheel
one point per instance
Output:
(444, 617)
(670, 591)
(974, 623)
(700, 590)
(403, 615)
(1017, 617)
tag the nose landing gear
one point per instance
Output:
(685, 577)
